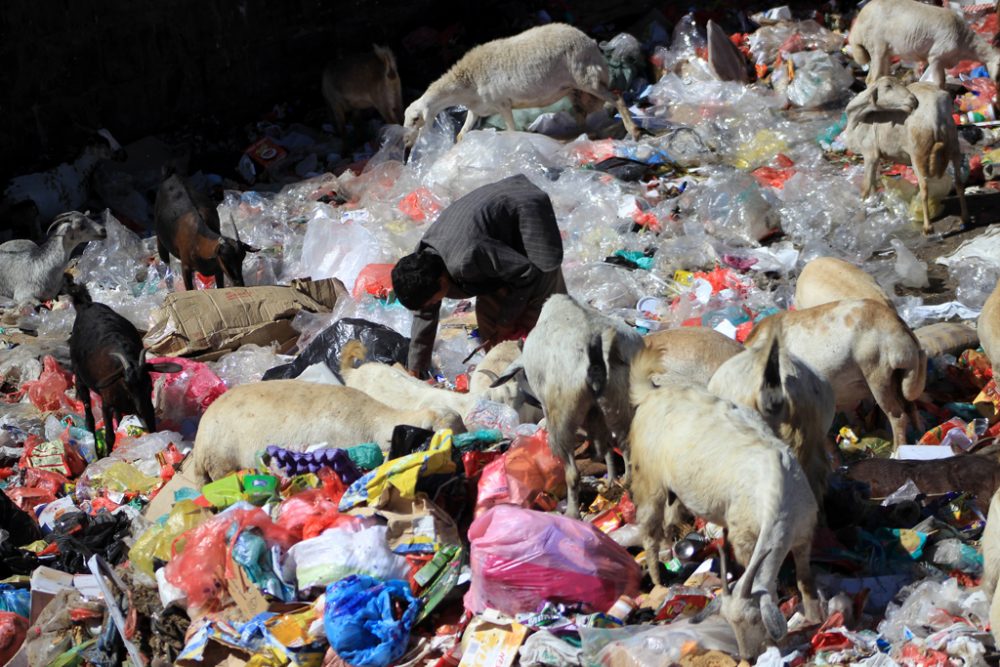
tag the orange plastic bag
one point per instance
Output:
(529, 475)
(421, 205)
(374, 279)
(201, 564)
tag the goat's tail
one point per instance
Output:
(646, 365)
(597, 368)
(352, 355)
(78, 293)
(772, 393)
(938, 160)
(915, 378)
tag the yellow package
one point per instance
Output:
(155, 543)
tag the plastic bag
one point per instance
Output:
(355, 548)
(16, 600)
(374, 280)
(181, 398)
(48, 392)
(335, 249)
(309, 513)
(247, 364)
(201, 565)
(363, 621)
(155, 542)
(641, 645)
(528, 475)
(520, 558)
(382, 343)
(13, 630)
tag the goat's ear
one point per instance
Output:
(248, 247)
(774, 620)
(509, 373)
(164, 367)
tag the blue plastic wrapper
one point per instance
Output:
(368, 621)
(15, 600)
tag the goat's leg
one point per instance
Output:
(600, 436)
(956, 165)
(508, 118)
(879, 65)
(805, 582)
(920, 168)
(562, 438)
(871, 173)
(83, 395)
(608, 97)
(339, 119)
(162, 251)
(649, 515)
(188, 273)
(220, 279)
(109, 427)
(889, 397)
(937, 71)
(470, 122)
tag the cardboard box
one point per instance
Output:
(205, 324)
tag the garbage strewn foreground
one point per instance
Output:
(438, 532)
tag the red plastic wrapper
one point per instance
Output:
(28, 499)
(528, 475)
(475, 462)
(375, 280)
(46, 480)
(462, 383)
(421, 205)
(615, 517)
(48, 392)
(918, 656)
(53, 456)
(771, 177)
(681, 604)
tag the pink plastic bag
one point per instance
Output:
(521, 558)
(181, 398)
(374, 279)
(48, 392)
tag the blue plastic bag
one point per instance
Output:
(360, 622)
(16, 600)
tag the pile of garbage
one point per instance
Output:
(450, 548)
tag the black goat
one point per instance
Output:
(108, 358)
(187, 227)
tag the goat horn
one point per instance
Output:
(746, 584)
(236, 229)
(142, 357)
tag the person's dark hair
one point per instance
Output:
(416, 278)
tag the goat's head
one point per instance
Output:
(414, 119)
(77, 228)
(442, 419)
(230, 254)
(392, 92)
(138, 382)
(754, 616)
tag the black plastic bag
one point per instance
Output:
(381, 342)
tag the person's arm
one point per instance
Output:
(422, 334)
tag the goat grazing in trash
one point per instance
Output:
(517, 395)
(919, 31)
(35, 199)
(691, 354)
(721, 461)
(805, 413)
(187, 227)
(576, 361)
(863, 349)
(294, 414)
(909, 125)
(532, 69)
(108, 358)
(395, 386)
(33, 273)
(828, 279)
(363, 81)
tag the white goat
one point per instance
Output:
(807, 409)
(909, 125)
(65, 187)
(691, 354)
(532, 69)
(988, 327)
(991, 564)
(862, 348)
(295, 414)
(576, 361)
(828, 279)
(32, 273)
(515, 394)
(916, 31)
(693, 450)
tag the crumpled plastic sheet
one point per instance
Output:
(247, 364)
(930, 606)
(639, 645)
